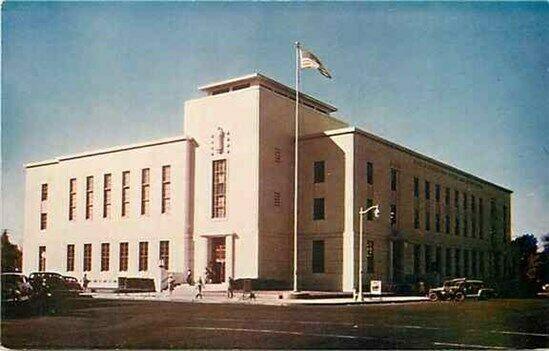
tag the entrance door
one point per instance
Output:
(217, 262)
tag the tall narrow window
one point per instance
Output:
(167, 188)
(44, 192)
(318, 208)
(318, 256)
(437, 222)
(416, 187)
(447, 224)
(427, 190)
(70, 258)
(447, 196)
(370, 256)
(89, 197)
(277, 199)
(145, 190)
(143, 256)
(369, 173)
(72, 199)
(125, 193)
(394, 179)
(427, 219)
(448, 262)
(87, 257)
(164, 253)
(105, 257)
(319, 172)
(457, 262)
(456, 199)
(456, 225)
(370, 214)
(123, 257)
(437, 192)
(43, 221)
(219, 188)
(41, 258)
(107, 187)
(480, 219)
(416, 218)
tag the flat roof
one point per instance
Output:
(113, 149)
(356, 130)
(257, 79)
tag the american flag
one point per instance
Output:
(309, 60)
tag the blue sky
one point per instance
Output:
(466, 83)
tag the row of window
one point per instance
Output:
(462, 262)
(107, 198)
(123, 258)
(319, 170)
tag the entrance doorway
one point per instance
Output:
(217, 259)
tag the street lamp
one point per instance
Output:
(362, 212)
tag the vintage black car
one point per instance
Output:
(461, 288)
(50, 290)
(17, 293)
(73, 285)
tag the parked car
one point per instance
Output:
(17, 293)
(50, 290)
(461, 288)
(73, 285)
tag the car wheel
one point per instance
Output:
(459, 296)
(433, 297)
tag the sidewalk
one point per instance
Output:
(262, 298)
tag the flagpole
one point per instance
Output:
(296, 163)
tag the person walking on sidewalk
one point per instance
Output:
(199, 287)
(230, 288)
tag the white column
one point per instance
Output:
(350, 271)
(188, 205)
(229, 257)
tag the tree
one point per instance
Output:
(11, 254)
(529, 264)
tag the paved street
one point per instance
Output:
(93, 323)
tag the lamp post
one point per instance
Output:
(362, 212)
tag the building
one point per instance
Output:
(222, 197)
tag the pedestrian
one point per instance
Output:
(230, 288)
(85, 282)
(189, 279)
(199, 287)
(171, 283)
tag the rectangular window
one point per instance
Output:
(427, 190)
(465, 201)
(105, 257)
(437, 222)
(44, 192)
(457, 262)
(437, 192)
(416, 187)
(143, 256)
(369, 173)
(145, 190)
(447, 196)
(107, 187)
(72, 199)
(125, 193)
(277, 199)
(428, 259)
(219, 185)
(167, 187)
(448, 262)
(164, 253)
(87, 257)
(319, 172)
(370, 256)
(41, 258)
(70, 258)
(318, 256)
(393, 215)
(447, 224)
(456, 199)
(416, 218)
(123, 257)
(394, 179)
(89, 197)
(465, 225)
(370, 214)
(457, 226)
(427, 219)
(318, 208)
(43, 221)
(466, 266)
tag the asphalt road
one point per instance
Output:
(92, 323)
